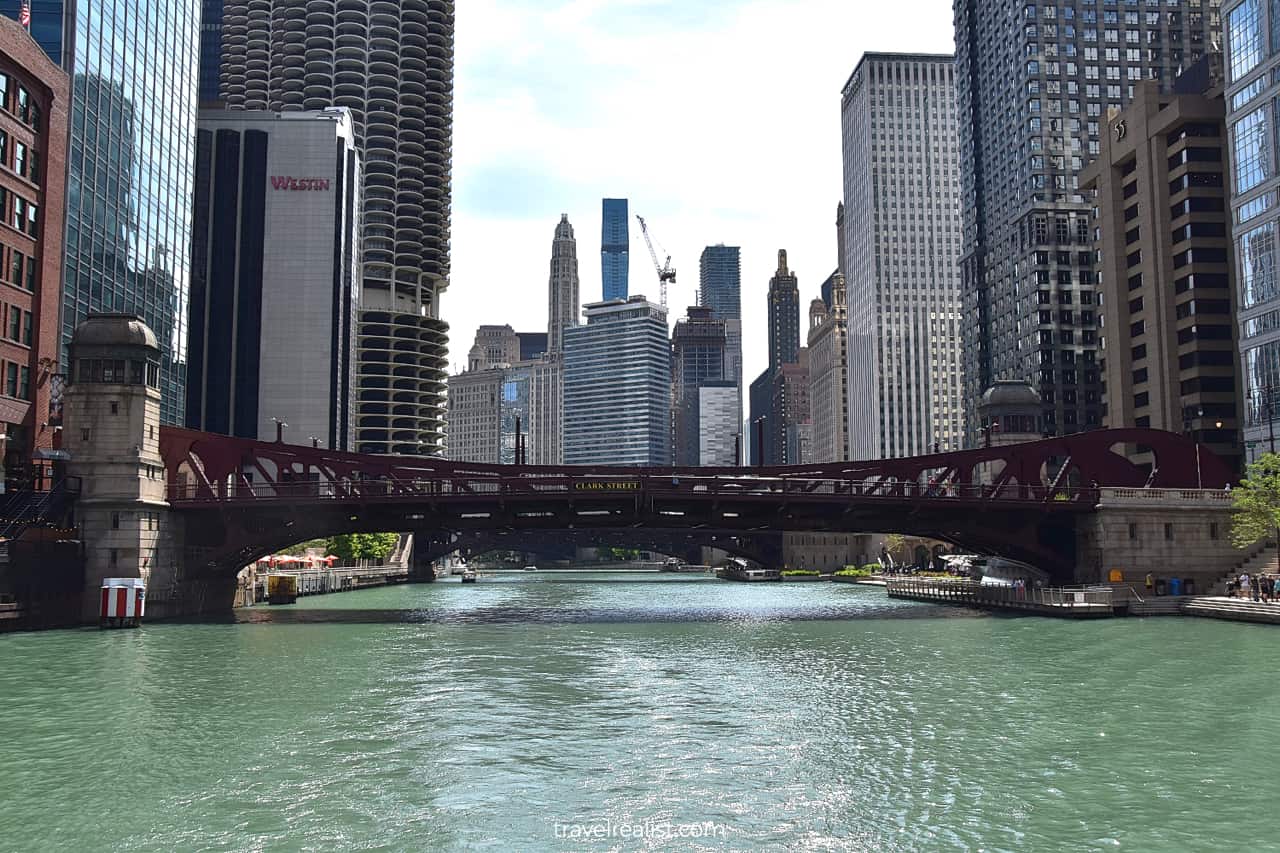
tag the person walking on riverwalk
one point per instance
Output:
(1244, 585)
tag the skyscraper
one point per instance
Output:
(562, 288)
(901, 236)
(391, 64)
(210, 49)
(720, 281)
(1034, 82)
(720, 289)
(828, 346)
(617, 386)
(245, 371)
(1253, 63)
(615, 242)
(47, 20)
(784, 315)
(1172, 359)
(697, 359)
(131, 167)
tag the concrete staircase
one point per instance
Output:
(1165, 605)
(1262, 558)
(1236, 609)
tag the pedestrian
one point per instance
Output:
(1244, 585)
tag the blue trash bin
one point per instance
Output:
(1175, 586)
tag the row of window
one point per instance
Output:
(16, 380)
(118, 372)
(16, 324)
(17, 100)
(26, 160)
(19, 213)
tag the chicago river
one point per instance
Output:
(543, 711)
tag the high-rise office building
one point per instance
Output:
(828, 346)
(1253, 71)
(131, 167)
(273, 332)
(391, 64)
(784, 315)
(562, 287)
(210, 49)
(1164, 261)
(902, 236)
(34, 110)
(48, 19)
(615, 251)
(617, 386)
(720, 281)
(719, 424)
(1034, 83)
(697, 358)
(720, 289)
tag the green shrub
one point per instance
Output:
(801, 573)
(855, 572)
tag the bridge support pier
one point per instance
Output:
(421, 569)
(1167, 532)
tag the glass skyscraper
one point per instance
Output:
(130, 165)
(617, 386)
(210, 49)
(720, 281)
(615, 263)
(1253, 110)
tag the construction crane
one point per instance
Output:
(666, 275)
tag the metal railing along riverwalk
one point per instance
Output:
(1059, 601)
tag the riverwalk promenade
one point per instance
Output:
(1070, 602)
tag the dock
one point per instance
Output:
(1061, 602)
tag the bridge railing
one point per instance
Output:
(587, 486)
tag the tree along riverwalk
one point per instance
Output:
(1065, 602)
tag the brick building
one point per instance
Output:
(33, 153)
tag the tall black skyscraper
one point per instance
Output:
(210, 49)
(784, 315)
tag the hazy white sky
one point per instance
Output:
(719, 120)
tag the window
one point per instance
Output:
(16, 276)
(24, 383)
(1133, 530)
(15, 323)
(1257, 264)
(33, 213)
(24, 104)
(26, 327)
(1168, 531)
(1251, 147)
(19, 213)
(4, 91)
(11, 379)
(1244, 38)
(115, 407)
(84, 435)
(115, 521)
(20, 158)
(4, 147)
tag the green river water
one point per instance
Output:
(553, 712)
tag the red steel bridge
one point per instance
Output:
(242, 499)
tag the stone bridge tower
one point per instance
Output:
(112, 434)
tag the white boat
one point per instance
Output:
(468, 575)
(530, 568)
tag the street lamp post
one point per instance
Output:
(280, 425)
